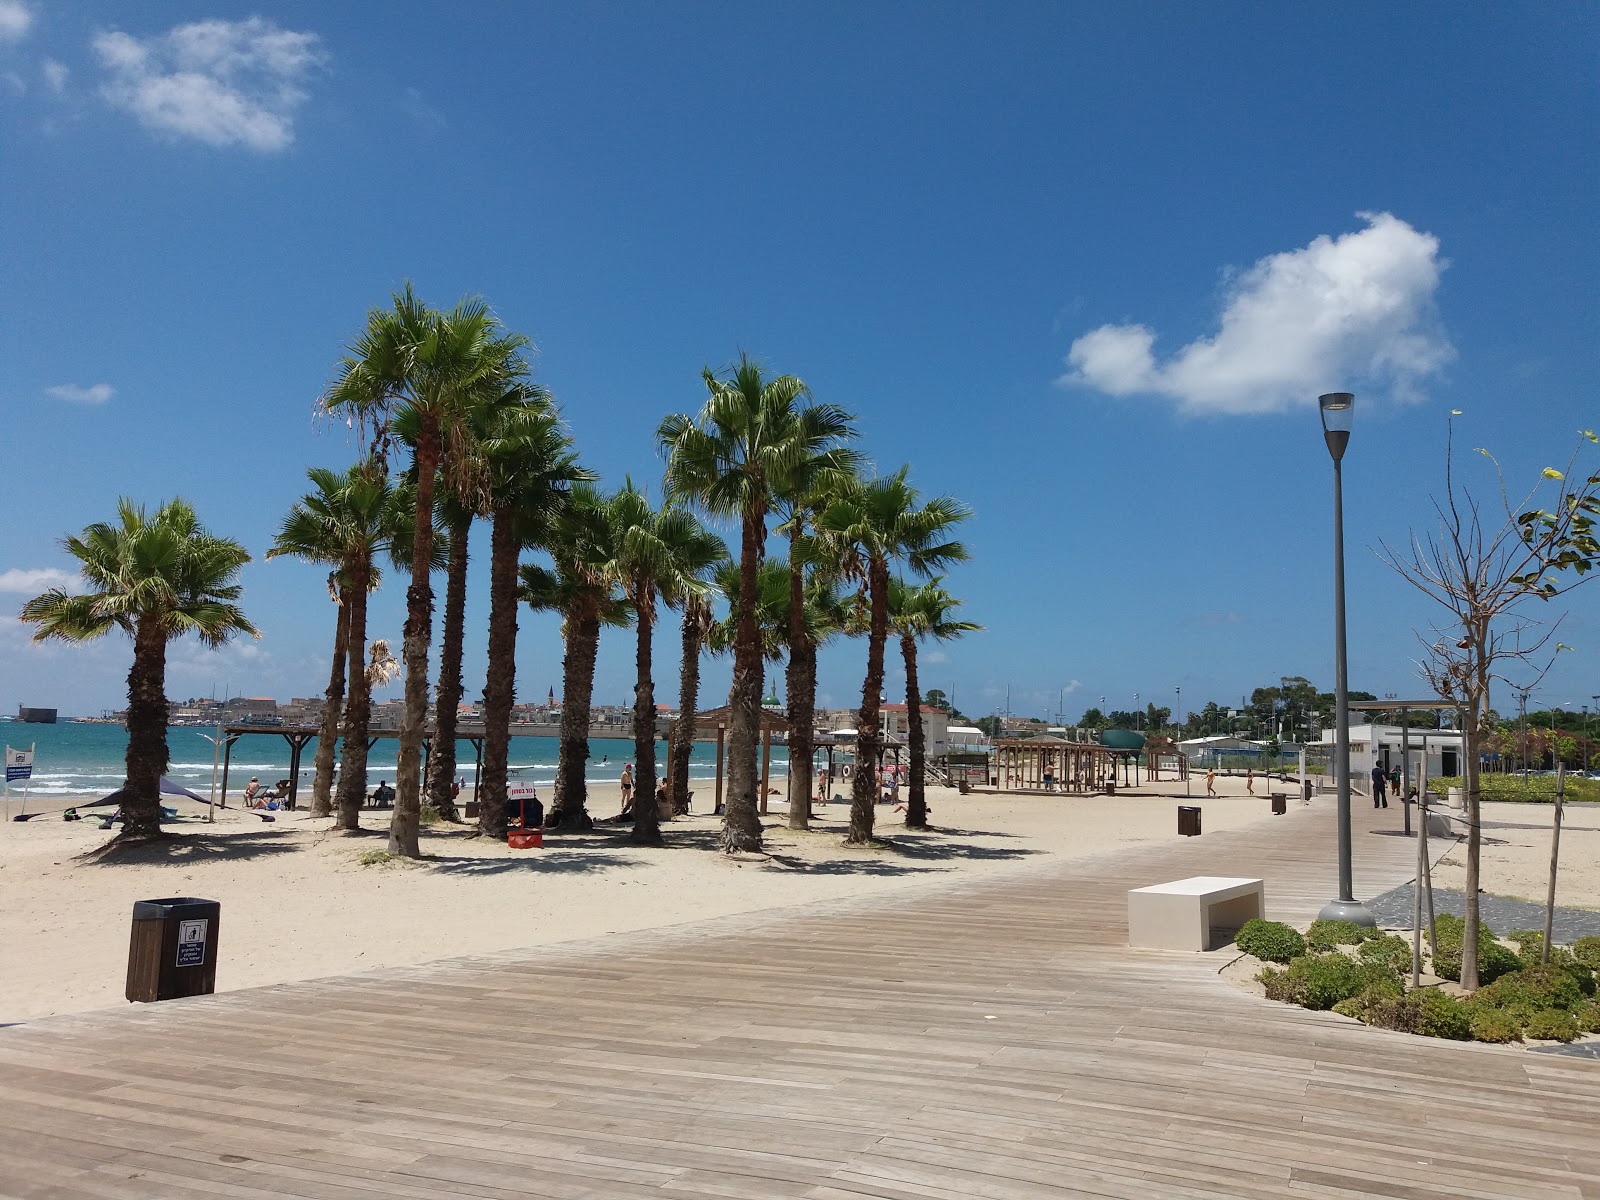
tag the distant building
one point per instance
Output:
(1370, 745)
(36, 716)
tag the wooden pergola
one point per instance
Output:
(721, 719)
(1070, 766)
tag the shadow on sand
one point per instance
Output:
(189, 847)
(538, 862)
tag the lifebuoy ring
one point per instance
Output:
(844, 771)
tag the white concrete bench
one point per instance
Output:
(1184, 914)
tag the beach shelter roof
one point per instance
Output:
(715, 718)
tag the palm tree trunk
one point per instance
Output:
(442, 762)
(147, 732)
(802, 687)
(916, 795)
(741, 822)
(332, 705)
(358, 710)
(646, 816)
(577, 687)
(499, 689)
(688, 701)
(418, 630)
(869, 741)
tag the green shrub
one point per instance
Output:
(1371, 1005)
(1441, 1016)
(375, 858)
(1427, 1012)
(1271, 941)
(1511, 788)
(1532, 988)
(1494, 960)
(1552, 1024)
(1587, 1016)
(1322, 980)
(1587, 951)
(1530, 945)
(1390, 950)
(1495, 1025)
(1326, 935)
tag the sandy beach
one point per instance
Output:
(1516, 854)
(297, 903)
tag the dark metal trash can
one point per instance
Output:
(1280, 803)
(172, 950)
(1188, 820)
(1307, 796)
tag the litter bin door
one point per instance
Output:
(172, 950)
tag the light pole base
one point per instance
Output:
(1353, 911)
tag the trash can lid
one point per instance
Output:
(174, 905)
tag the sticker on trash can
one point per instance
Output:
(191, 942)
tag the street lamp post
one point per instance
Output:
(1336, 410)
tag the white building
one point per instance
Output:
(1437, 751)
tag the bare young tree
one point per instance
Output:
(1481, 567)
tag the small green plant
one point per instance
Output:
(1552, 1024)
(1587, 951)
(1494, 960)
(1322, 980)
(1532, 988)
(1270, 941)
(1441, 1016)
(1371, 1005)
(375, 858)
(1390, 950)
(1587, 1016)
(1495, 1025)
(1529, 943)
(428, 816)
(1327, 935)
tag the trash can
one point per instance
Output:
(1307, 796)
(1188, 820)
(1280, 803)
(172, 950)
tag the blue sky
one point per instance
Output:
(1084, 266)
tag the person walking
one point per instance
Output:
(1211, 781)
(1250, 780)
(1380, 779)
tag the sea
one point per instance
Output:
(83, 758)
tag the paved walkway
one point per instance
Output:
(989, 1038)
(1503, 914)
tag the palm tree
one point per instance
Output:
(531, 467)
(440, 784)
(695, 628)
(753, 440)
(440, 365)
(871, 525)
(585, 595)
(801, 507)
(825, 613)
(343, 522)
(155, 578)
(658, 555)
(917, 612)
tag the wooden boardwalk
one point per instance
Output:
(987, 1038)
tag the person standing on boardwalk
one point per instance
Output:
(1380, 779)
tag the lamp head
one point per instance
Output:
(1336, 408)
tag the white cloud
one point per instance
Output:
(15, 20)
(1341, 314)
(428, 118)
(223, 83)
(31, 581)
(55, 74)
(96, 393)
